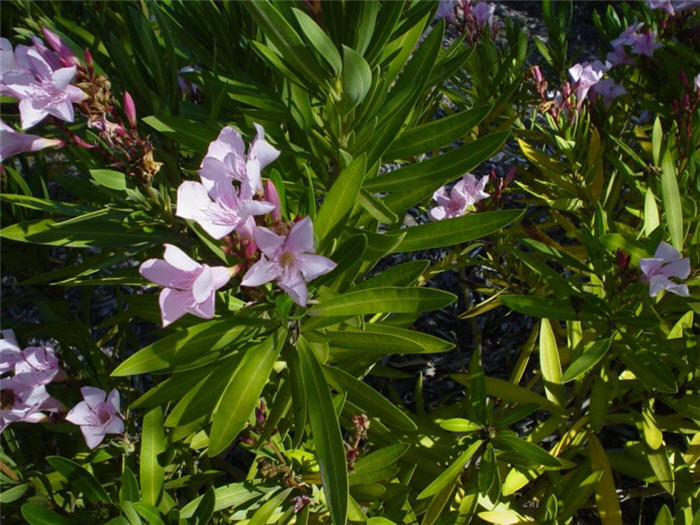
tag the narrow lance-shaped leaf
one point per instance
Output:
(550, 364)
(152, 444)
(449, 475)
(672, 201)
(326, 433)
(242, 393)
(386, 300)
(79, 479)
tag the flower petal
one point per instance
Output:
(205, 309)
(114, 425)
(113, 399)
(203, 286)
(261, 272)
(294, 285)
(179, 259)
(228, 141)
(220, 276)
(81, 414)
(93, 435)
(269, 242)
(261, 149)
(313, 266)
(93, 396)
(666, 252)
(173, 304)
(165, 274)
(301, 238)
(192, 200)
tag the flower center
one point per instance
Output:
(287, 260)
(7, 398)
(103, 413)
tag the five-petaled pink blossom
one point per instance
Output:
(667, 262)
(585, 76)
(97, 415)
(227, 161)
(220, 210)
(483, 12)
(42, 88)
(467, 192)
(13, 142)
(608, 90)
(289, 261)
(20, 401)
(190, 287)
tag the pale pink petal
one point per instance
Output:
(261, 272)
(192, 200)
(301, 238)
(260, 149)
(246, 229)
(29, 115)
(294, 285)
(650, 266)
(75, 94)
(93, 435)
(165, 274)
(252, 175)
(679, 289)
(679, 268)
(93, 396)
(313, 266)
(438, 213)
(251, 207)
(205, 309)
(81, 414)
(51, 404)
(179, 259)
(273, 197)
(666, 252)
(62, 110)
(220, 276)
(213, 173)
(229, 140)
(63, 76)
(113, 399)
(114, 426)
(203, 286)
(173, 304)
(269, 242)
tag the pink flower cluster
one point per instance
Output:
(23, 397)
(463, 195)
(226, 201)
(40, 79)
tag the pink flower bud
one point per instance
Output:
(65, 53)
(88, 57)
(684, 79)
(537, 74)
(130, 109)
(273, 197)
(250, 249)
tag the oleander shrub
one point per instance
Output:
(230, 229)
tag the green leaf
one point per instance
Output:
(451, 232)
(200, 343)
(188, 133)
(265, 512)
(550, 364)
(404, 274)
(38, 515)
(652, 372)
(508, 391)
(657, 135)
(152, 443)
(450, 474)
(591, 355)
(319, 40)
(437, 134)
(149, 512)
(559, 309)
(13, 493)
(287, 41)
(372, 467)
(79, 479)
(377, 209)
(509, 441)
(227, 496)
(34, 203)
(325, 429)
(114, 180)
(372, 341)
(369, 400)
(129, 490)
(244, 389)
(427, 176)
(89, 233)
(651, 213)
(356, 78)
(205, 510)
(386, 300)
(341, 198)
(672, 201)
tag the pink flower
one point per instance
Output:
(9, 351)
(585, 76)
(483, 12)
(189, 286)
(467, 192)
(37, 366)
(65, 53)
(289, 261)
(42, 88)
(667, 262)
(446, 10)
(618, 56)
(226, 160)
(608, 90)
(13, 142)
(221, 210)
(97, 415)
(644, 44)
(22, 402)
(627, 37)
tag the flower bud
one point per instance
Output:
(65, 53)
(250, 249)
(130, 109)
(273, 197)
(537, 74)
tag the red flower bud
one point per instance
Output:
(130, 109)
